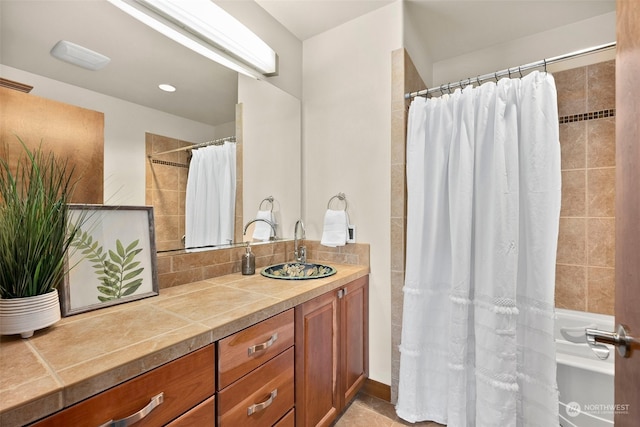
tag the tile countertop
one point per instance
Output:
(90, 352)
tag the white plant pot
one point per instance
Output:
(25, 315)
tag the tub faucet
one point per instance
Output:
(299, 252)
(273, 227)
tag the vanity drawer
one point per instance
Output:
(288, 420)
(260, 398)
(202, 415)
(184, 383)
(244, 351)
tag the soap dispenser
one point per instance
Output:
(248, 262)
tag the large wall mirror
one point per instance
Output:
(204, 107)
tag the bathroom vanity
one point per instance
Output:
(232, 350)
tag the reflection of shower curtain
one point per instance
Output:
(483, 178)
(211, 195)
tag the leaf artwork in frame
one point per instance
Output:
(113, 259)
(115, 270)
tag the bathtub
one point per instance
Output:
(585, 382)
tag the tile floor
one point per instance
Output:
(367, 411)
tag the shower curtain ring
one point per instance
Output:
(520, 71)
(495, 76)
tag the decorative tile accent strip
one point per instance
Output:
(588, 116)
(163, 162)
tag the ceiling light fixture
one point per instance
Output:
(79, 55)
(207, 29)
(167, 87)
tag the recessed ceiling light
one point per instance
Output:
(79, 55)
(167, 87)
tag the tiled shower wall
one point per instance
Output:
(585, 278)
(166, 184)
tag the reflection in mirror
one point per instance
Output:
(203, 107)
(171, 174)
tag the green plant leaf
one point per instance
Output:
(131, 265)
(107, 290)
(132, 245)
(120, 248)
(132, 274)
(114, 257)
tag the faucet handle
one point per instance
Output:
(301, 254)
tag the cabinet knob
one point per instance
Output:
(133, 418)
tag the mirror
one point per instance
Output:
(203, 107)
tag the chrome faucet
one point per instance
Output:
(273, 227)
(299, 252)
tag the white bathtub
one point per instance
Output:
(585, 382)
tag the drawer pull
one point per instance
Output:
(263, 405)
(125, 422)
(265, 345)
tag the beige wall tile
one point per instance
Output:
(601, 93)
(601, 143)
(601, 184)
(165, 177)
(574, 193)
(571, 86)
(166, 202)
(573, 145)
(571, 287)
(601, 242)
(601, 287)
(572, 241)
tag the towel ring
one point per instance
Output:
(268, 200)
(339, 196)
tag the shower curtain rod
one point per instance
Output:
(508, 72)
(192, 147)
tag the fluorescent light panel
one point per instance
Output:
(227, 41)
(79, 55)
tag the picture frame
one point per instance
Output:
(112, 260)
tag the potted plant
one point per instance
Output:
(35, 235)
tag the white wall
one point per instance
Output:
(414, 44)
(271, 158)
(124, 132)
(580, 35)
(346, 147)
(286, 45)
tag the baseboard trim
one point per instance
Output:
(377, 389)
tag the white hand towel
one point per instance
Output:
(262, 230)
(335, 228)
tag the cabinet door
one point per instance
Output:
(354, 338)
(317, 359)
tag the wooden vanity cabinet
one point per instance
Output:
(331, 351)
(256, 374)
(187, 387)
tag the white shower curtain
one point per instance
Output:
(211, 195)
(483, 179)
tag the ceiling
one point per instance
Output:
(207, 92)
